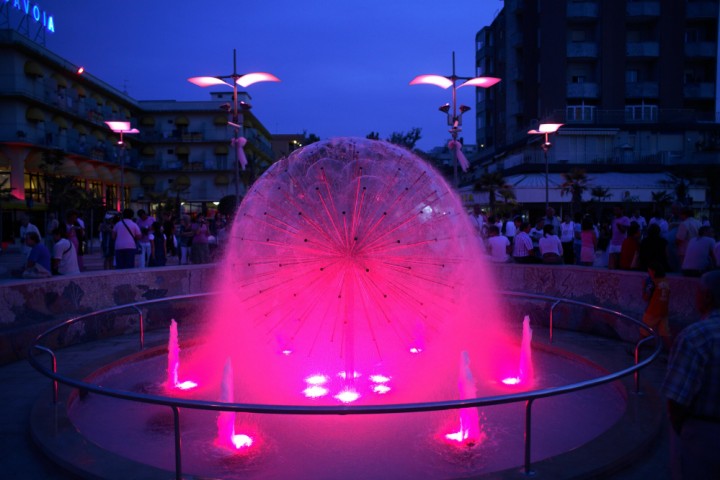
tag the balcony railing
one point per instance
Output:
(642, 49)
(646, 8)
(587, 9)
(699, 91)
(583, 90)
(642, 90)
(582, 50)
(700, 49)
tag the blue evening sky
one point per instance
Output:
(345, 65)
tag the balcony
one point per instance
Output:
(641, 113)
(587, 9)
(700, 49)
(642, 90)
(699, 91)
(582, 50)
(642, 49)
(585, 90)
(701, 9)
(643, 9)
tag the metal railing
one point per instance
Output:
(176, 403)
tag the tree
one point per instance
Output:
(600, 193)
(660, 200)
(407, 140)
(493, 183)
(373, 136)
(575, 183)
(680, 185)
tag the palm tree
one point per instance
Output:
(680, 184)
(600, 193)
(492, 183)
(575, 183)
(661, 200)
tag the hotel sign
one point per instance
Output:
(32, 11)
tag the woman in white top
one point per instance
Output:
(567, 237)
(551, 249)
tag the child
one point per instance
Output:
(656, 292)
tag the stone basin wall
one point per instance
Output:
(29, 307)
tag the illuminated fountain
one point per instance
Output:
(353, 277)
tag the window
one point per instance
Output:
(578, 79)
(631, 76)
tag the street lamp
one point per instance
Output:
(546, 129)
(244, 80)
(123, 128)
(454, 118)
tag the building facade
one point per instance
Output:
(52, 126)
(634, 83)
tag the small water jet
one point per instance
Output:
(226, 420)
(173, 380)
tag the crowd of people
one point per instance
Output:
(128, 239)
(680, 243)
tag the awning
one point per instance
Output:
(147, 121)
(182, 150)
(148, 151)
(69, 168)
(104, 174)
(35, 115)
(220, 120)
(588, 131)
(148, 181)
(132, 179)
(182, 121)
(221, 150)
(87, 170)
(60, 122)
(81, 91)
(32, 69)
(60, 80)
(81, 129)
(222, 179)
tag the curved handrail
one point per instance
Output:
(174, 403)
(340, 409)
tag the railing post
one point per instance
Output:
(142, 327)
(552, 311)
(178, 458)
(528, 434)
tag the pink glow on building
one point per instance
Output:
(379, 378)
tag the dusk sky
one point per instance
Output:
(345, 65)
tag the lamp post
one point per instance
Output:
(454, 118)
(243, 80)
(123, 128)
(546, 129)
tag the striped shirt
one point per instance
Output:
(523, 245)
(693, 376)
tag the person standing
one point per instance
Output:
(76, 234)
(158, 245)
(692, 386)
(52, 224)
(588, 242)
(551, 219)
(687, 229)
(567, 238)
(200, 250)
(619, 227)
(145, 222)
(656, 292)
(125, 233)
(185, 234)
